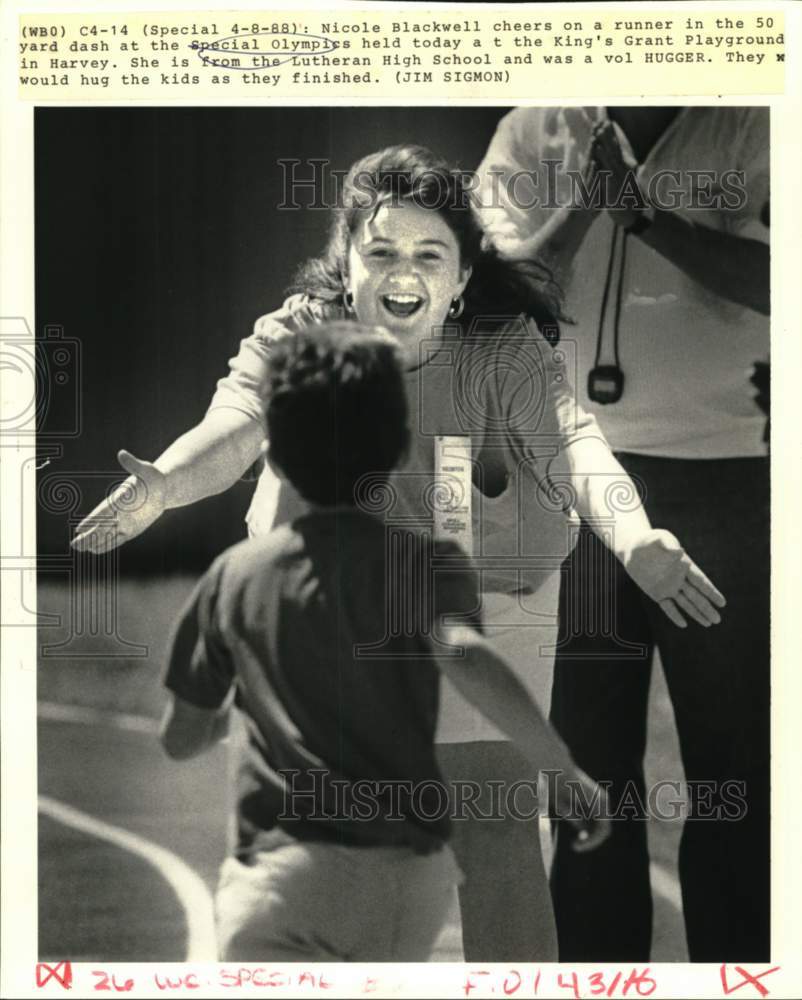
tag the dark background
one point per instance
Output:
(158, 243)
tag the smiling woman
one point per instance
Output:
(404, 273)
(485, 383)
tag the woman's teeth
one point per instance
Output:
(402, 305)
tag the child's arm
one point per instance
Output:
(206, 460)
(200, 674)
(484, 679)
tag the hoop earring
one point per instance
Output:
(457, 307)
(348, 301)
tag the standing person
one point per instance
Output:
(671, 302)
(494, 424)
(342, 821)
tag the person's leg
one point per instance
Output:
(422, 888)
(504, 900)
(297, 901)
(257, 910)
(602, 899)
(719, 683)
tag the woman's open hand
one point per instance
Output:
(128, 510)
(664, 570)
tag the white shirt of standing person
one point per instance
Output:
(686, 352)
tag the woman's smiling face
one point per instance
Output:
(403, 273)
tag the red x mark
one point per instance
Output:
(61, 972)
(746, 977)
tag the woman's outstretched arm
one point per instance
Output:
(581, 472)
(206, 460)
(609, 502)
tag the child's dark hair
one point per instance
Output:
(336, 409)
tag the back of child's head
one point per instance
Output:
(336, 409)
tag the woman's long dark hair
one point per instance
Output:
(499, 289)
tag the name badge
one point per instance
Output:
(451, 495)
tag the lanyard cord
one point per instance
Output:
(618, 300)
(619, 294)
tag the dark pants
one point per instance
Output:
(718, 680)
(504, 901)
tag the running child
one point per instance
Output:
(330, 634)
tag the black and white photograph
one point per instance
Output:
(399, 549)
(513, 359)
